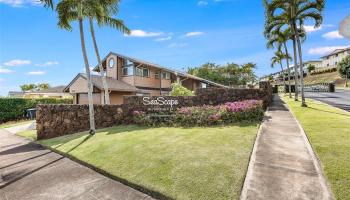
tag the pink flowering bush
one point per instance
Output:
(230, 112)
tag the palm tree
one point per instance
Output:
(277, 59)
(280, 40)
(293, 13)
(110, 8)
(69, 10)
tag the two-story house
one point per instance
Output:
(331, 60)
(130, 76)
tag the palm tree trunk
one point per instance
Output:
(284, 77)
(90, 87)
(295, 71)
(287, 59)
(301, 66)
(104, 81)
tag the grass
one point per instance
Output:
(328, 130)
(15, 123)
(180, 163)
(325, 78)
(29, 134)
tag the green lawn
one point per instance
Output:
(15, 123)
(181, 163)
(328, 130)
(30, 134)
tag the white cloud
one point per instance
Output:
(332, 35)
(20, 3)
(36, 73)
(173, 45)
(49, 63)
(195, 33)
(17, 62)
(163, 39)
(141, 33)
(310, 29)
(325, 50)
(5, 71)
(202, 3)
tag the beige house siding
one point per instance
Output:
(79, 86)
(333, 60)
(112, 71)
(83, 98)
(117, 98)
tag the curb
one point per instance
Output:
(318, 165)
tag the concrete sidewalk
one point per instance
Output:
(283, 164)
(28, 171)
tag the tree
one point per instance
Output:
(179, 90)
(294, 13)
(68, 11)
(109, 9)
(43, 86)
(28, 87)
(277, 59)
(344, 68)
(310, 68)
(228, 74)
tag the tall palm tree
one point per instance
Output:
(109, 8)
(279, 39)
(69, 10)
(277, 59)
(294, 13)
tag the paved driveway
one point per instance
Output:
(340, 98)
(28, 171)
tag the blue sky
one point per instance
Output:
(173, 33)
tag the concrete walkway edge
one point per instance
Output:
(250, 176)
(315, 159)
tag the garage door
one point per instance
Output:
(83, 98)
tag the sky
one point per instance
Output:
(173, 33)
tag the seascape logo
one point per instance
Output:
(160, 101)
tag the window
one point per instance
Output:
(142, 71)
(203, 85)
(335, 63)
(156, 75)
(142, 94)
(166, 75)
(128, 71)
(336, 55)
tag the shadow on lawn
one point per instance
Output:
(328, 111)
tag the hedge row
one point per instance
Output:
(15, 108)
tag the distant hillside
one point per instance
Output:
(325, 78)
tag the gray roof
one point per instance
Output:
(57, 89)
(160, 67)
(113, 84)
(15, 93)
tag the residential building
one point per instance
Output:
(52, 92)
(331, 60)
(15, 94)
(131, 76)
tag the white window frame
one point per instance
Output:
(167, 75)
(142, 70)
(128, 67)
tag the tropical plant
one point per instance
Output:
(311, 68)
(68, 11)
(43, 86)
(293, 14)
(179, 90)
(279, 39)
(28, 87)
(277, 59)
(344, 68)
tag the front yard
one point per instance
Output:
(328, 130)
(180, 163)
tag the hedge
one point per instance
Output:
(15, 108)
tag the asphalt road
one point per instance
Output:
(340, 98)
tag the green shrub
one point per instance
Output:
(231, 112)
(179, 90)
(15, 108)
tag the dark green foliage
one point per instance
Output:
(344, 67)
(229, 74)
(15, 108)
(311, 68)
